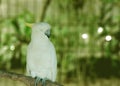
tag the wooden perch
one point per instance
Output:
(29, 81)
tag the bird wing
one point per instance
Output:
(41, 61)
(54, 62)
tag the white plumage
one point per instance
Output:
(41, 55)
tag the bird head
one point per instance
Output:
(41, 28)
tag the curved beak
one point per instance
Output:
(47, 33)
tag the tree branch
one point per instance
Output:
(29, 81)
(43, 9)
(45, 6)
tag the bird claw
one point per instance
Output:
(43, 81)
(37, 79)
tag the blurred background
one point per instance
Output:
(86, 35)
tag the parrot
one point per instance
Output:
(41, 61)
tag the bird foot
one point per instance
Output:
(38, 79)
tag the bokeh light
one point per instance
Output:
(84, 36)
(100, 30)
(108, 38)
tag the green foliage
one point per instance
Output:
(15, 36)
(69, 21)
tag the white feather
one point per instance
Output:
(41, 55)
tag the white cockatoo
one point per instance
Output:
(41, 56)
